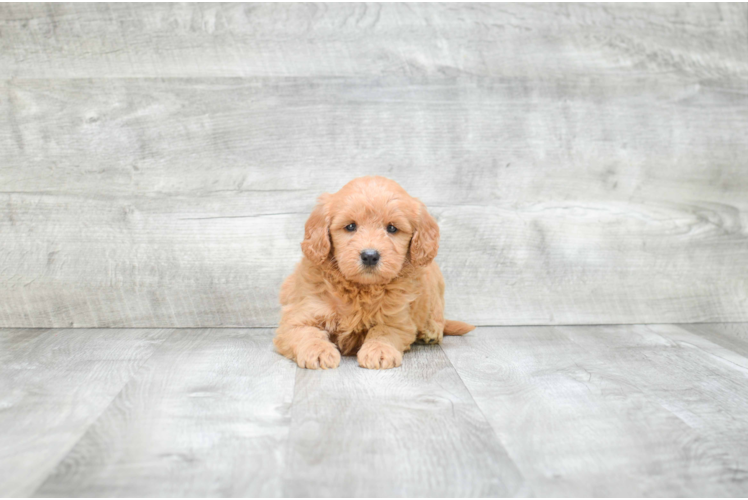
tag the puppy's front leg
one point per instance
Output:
(384, 346)
(309, 346)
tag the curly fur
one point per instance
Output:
(332, 304)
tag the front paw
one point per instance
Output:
(318, 354)
(377, 355)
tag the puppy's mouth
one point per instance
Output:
(369, 275)
(369, 271)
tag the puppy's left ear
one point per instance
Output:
(425, 242)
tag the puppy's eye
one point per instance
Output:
(351, 227)
(391, 229)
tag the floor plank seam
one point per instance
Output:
(526, 487)
(102, 412)
(652, 398)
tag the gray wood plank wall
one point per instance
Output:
(586, 163)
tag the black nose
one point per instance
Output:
(369, 257)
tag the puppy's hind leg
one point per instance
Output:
(432, 332)
(428, 314)
(428, 310)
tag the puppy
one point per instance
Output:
(368, 283)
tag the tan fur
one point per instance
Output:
(333, 305)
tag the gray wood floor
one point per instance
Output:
(655, 410)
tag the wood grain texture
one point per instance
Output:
(53, 385)
(612, 411)
(585, 162)
(323, 40)
(731, 336)
(208, 415)
(408, 432)
(632, 410)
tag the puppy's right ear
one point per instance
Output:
(316, 245)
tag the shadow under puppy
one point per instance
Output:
(368, 283)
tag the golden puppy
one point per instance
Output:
(368, 283)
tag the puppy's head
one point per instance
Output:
(370, 229)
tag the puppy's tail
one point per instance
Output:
(457, 328)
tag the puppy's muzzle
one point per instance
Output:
(369, 257)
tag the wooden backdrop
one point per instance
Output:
(586, 163)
